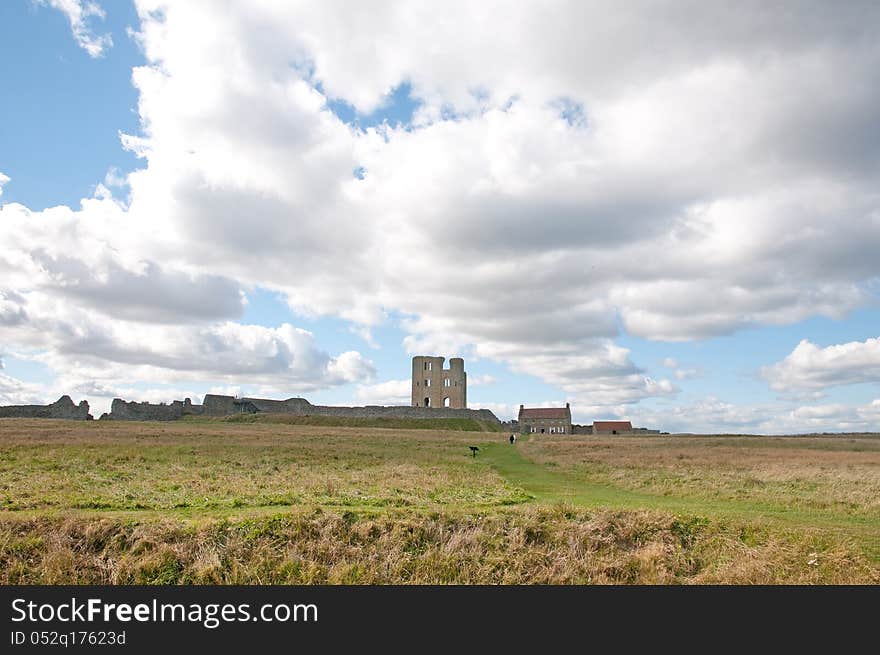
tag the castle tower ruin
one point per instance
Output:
(435, 386)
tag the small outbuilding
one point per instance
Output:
(612, 427)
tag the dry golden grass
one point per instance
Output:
(220, 502)
(140, 466)
(555, 545)
(829, 472)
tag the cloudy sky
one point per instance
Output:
(666, 212)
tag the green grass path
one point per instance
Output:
(548, 486)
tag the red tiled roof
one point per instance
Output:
(612, 425)
(545, 412)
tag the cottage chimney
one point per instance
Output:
(566, 406)
(521, 407)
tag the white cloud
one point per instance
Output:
(713, 415)
(811, 368)
(3, 180)
(84, 347)
(113, 178)
(722, 175)
(79, 13)
(390, 392)
(90, 258)
(477, 380)
(504, 411)
(681, 373)
(365, 334)
(670, 207)
(16, 392)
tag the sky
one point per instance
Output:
(667, 212)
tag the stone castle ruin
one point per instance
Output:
(215, 405)
(121, 410)
(64, 407)
(437, 392)
(436, 387)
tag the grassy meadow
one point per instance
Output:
(301, 502)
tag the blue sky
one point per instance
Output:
(397, 124)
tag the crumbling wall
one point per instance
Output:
(216, 405)
(120, 410)
(64, 408)
(378, 411)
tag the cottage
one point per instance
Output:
(545, 420)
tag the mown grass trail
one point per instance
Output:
(550, 487)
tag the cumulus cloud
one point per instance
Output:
(674, 171)
(15, 392)
(76, 257)
(811, 368)
(504, 411)
(714, 415)
(390, 392)
(80, 14)
(681, 373)
(3, 180)
(668, 209)
(85, 347)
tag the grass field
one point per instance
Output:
(260, 501)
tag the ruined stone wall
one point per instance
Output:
(216, 405)
(120, 410)
(376, 411)
(64, 407)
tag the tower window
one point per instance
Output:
(428, 383)
(446, 382)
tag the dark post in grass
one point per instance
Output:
(474, 450)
